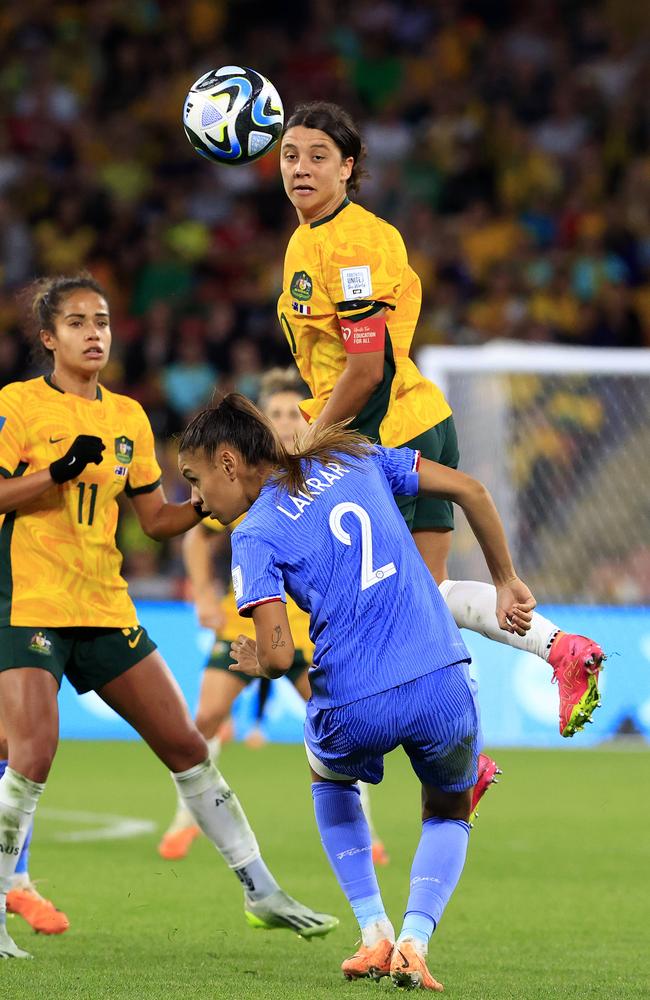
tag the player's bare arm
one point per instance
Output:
(273, 653)
(160, 519)
(363, 372)
(15, 493)
(515, 602)
(359, 379)
(198, 549)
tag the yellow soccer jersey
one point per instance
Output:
(235, 625)
(59, 564)
(338, 268)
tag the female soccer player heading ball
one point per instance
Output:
(349, 306)
(389, 668)
(68, 448)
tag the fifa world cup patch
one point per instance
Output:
(356, 282)
(123, 449)
(39, 643)
(237, 582)
(298, 307)
(301, 286)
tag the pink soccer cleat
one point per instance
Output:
(487, 775)
(576, 663)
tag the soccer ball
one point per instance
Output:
(233, 115)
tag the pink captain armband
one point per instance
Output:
(363, 336)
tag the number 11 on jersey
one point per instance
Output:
(369, 576)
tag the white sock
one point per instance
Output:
(373, 933)
(214, 748)
(473, 606)
(18, 799)
(364, 790)
(217, 811)
(183, 816)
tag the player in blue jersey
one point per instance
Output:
(390, 667)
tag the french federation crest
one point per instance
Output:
(301, 286)
(123, 449)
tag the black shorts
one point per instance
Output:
(220, 659)
(438, 444)
(89, 657)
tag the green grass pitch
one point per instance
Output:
(553, 901)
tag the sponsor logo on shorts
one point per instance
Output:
(39, 643)
(301, 286)
(123, 449)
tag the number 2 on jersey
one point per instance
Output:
(369, 576)
(92, 489)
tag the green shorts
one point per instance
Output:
(438, 444)
(220, 659)
(89, 657)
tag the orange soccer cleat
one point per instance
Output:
(175, 844)
(408, 969)
(39, 912)
(487, 772)
(379, 853)
(576, 662)
(369, 962)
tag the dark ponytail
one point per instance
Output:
(238, 422)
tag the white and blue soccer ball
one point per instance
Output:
(233, 115)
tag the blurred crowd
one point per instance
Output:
(509, 142)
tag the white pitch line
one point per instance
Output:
(107, 825)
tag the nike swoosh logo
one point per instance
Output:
(134, 642)
(56, 440)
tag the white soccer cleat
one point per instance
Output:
(281, 911)
(8, 947)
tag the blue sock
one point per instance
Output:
(346, 838)
(435, 872)
(22, 867)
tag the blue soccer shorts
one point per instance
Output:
(435, 718)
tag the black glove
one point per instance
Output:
(84, 449)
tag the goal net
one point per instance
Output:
(561, 436)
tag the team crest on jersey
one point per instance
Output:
(301, 286)
(39, 643)
(123, 449)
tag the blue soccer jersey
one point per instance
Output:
(345, 555)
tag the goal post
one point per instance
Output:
(561, 437)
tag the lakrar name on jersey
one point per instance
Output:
(317, 485)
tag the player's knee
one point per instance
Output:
(446, 805)
(33, 758)
(188, 749)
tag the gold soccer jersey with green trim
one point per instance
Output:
(59, 564)
(348, 266)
